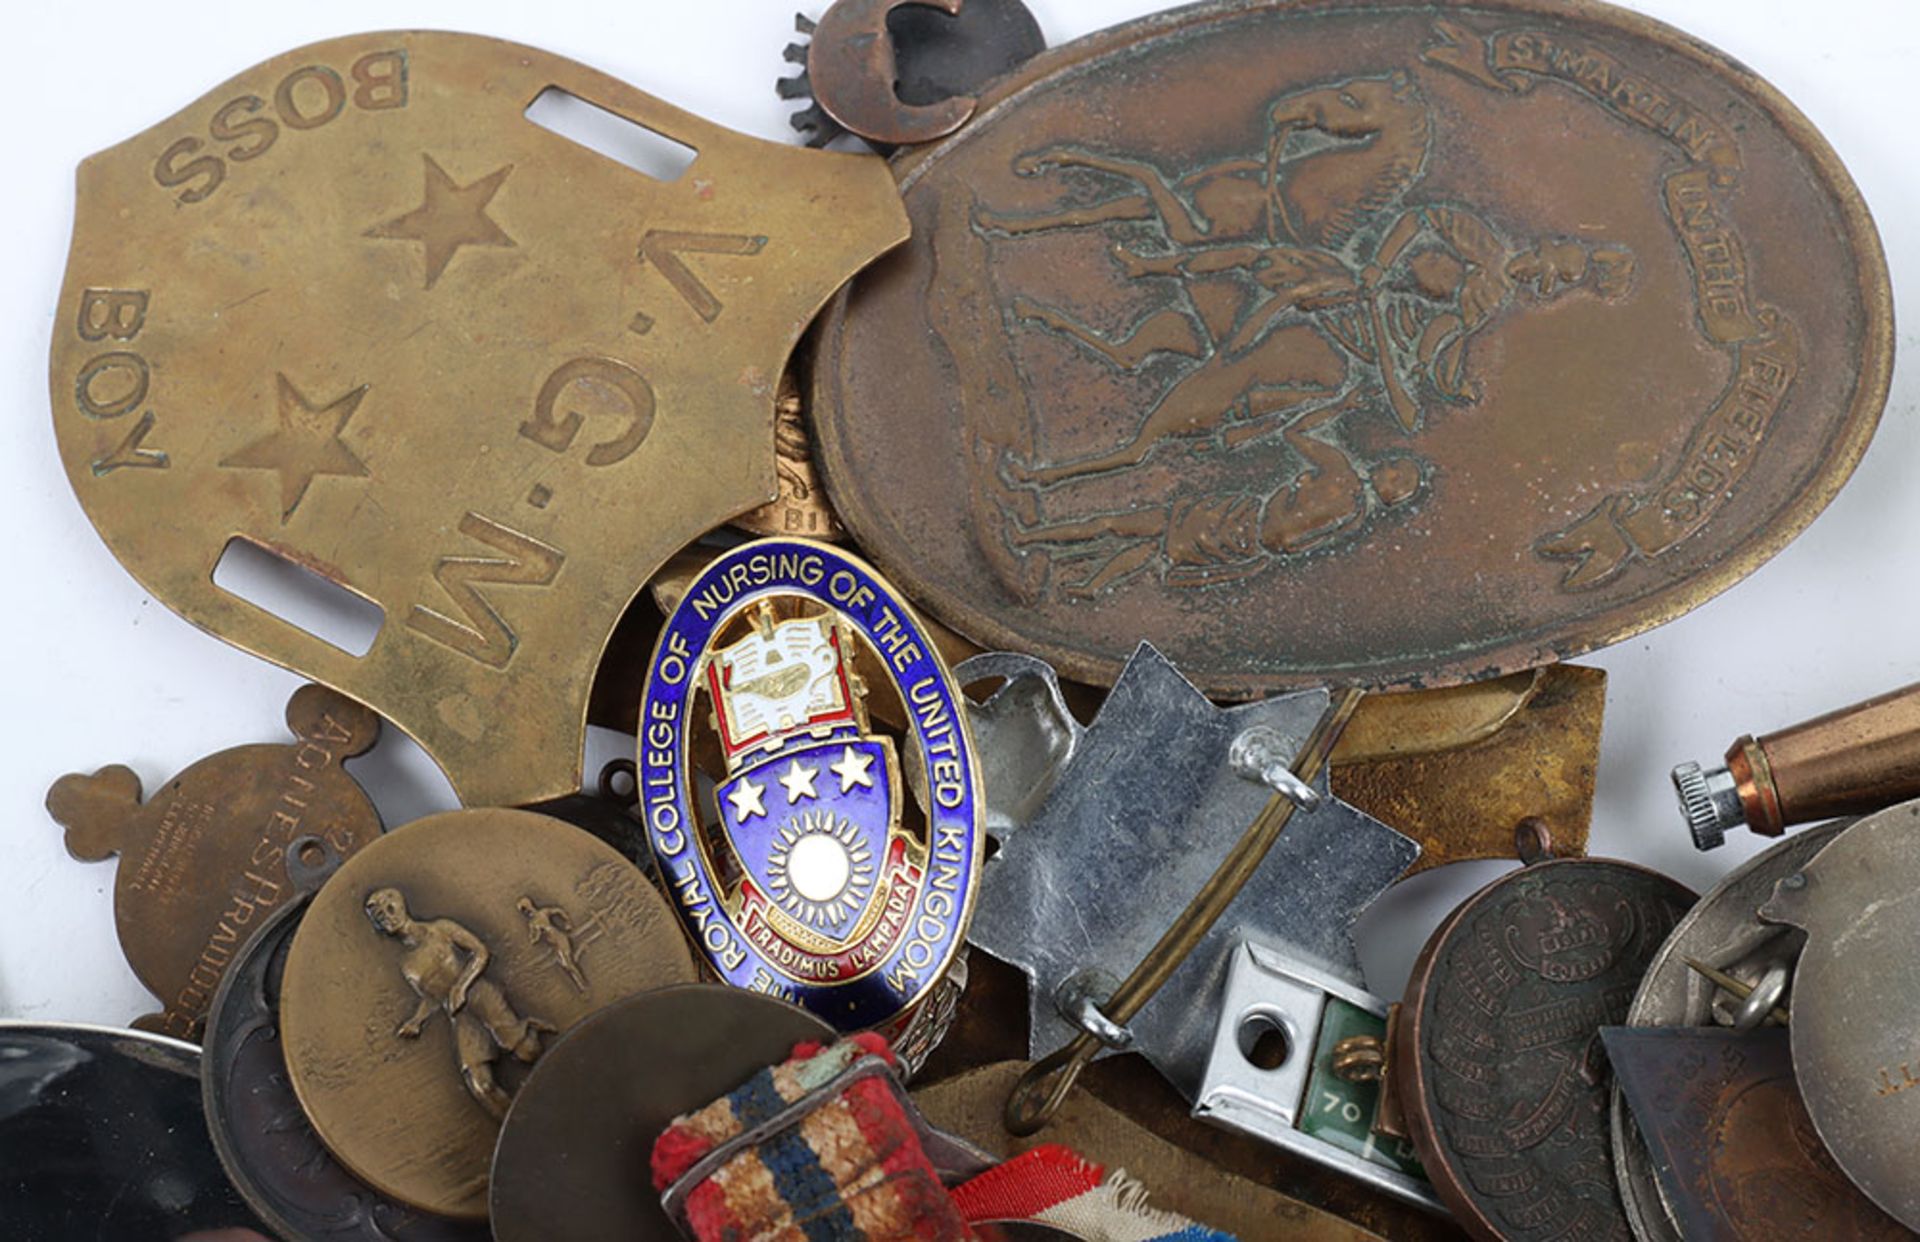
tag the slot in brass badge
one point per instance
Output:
(355, 308)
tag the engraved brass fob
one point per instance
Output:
(356, 308)
(202, 862)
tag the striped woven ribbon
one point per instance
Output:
(822, 1148)
(844, 1168)
(1054, 1185)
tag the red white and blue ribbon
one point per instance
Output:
(1054, 1185)
(822, 1148)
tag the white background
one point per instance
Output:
(95, 672)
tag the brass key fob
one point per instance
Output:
(356, 309)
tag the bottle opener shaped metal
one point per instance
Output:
(1135, 822)
(202, 861)
(1731, 1140)
(1859, 1068)
(355, 307)
(835, 864)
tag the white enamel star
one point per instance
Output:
(854, 768)
(798, 781)
(746, 800)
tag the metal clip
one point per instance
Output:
(1261, 754)
(1079, 1000)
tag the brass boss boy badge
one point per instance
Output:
(777, 812)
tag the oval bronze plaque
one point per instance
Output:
(1321, 340)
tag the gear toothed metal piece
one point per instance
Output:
(812, 121)
(894, 72)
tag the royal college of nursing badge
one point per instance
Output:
(811, 854)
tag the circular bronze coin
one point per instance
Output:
(574, 1153)
(1498, 1056)
(1331, 340)
(802, 508)
(436, 966)
(268, 1147)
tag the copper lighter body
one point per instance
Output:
(1847, 762)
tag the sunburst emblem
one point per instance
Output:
(819, 869)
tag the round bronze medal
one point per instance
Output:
(270, 1152)
(436, 966)
(1497, 1055)
(1383, 344)
(574, 1153)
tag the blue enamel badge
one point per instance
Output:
(810, 854)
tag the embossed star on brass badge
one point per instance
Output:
(305, 445)
(451, 216)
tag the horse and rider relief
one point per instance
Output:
(1313, 315)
